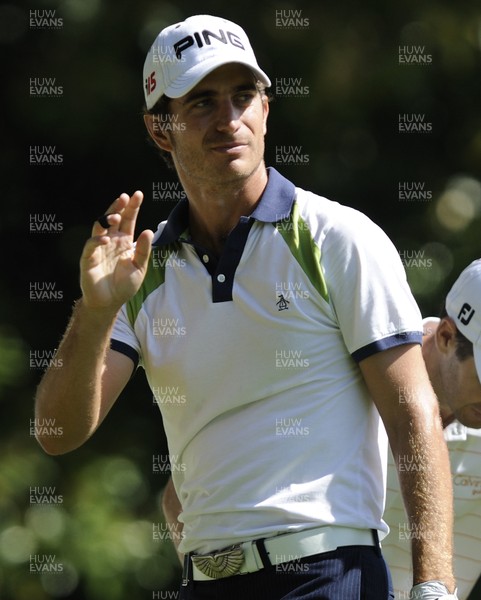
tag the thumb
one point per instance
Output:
(142, 249)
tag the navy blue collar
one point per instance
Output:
(275, 204)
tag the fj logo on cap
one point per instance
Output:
(466, 313)
(225, 37)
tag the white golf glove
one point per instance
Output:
(432, 590)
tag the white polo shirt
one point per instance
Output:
(464, 445)
(276, 431)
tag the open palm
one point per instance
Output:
(112, 268)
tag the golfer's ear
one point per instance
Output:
(446, 335)
(265, 109)
(156, 132)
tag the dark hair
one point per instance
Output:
(162, 108)
(464, 348)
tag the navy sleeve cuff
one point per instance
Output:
(399, 339)
(124, 348)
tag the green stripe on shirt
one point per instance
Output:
(297, 236)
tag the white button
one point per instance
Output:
(221, 278)
(205, 258)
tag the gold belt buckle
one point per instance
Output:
(220, 564)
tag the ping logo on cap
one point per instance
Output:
(225, 37)
(466, 313)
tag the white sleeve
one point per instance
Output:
(367, 286)
(123, 338)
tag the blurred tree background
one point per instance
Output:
(349, 81)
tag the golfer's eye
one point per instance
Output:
(202, 103)
(244, 98)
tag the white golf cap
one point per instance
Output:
(184, 53)
(463, 305)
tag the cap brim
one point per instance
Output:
(184, 84)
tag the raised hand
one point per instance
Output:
(112, 268)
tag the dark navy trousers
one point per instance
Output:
(348, 573)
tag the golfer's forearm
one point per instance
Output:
(425, 479)
(68, 399)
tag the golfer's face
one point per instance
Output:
(224, 123)
(466, 394)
